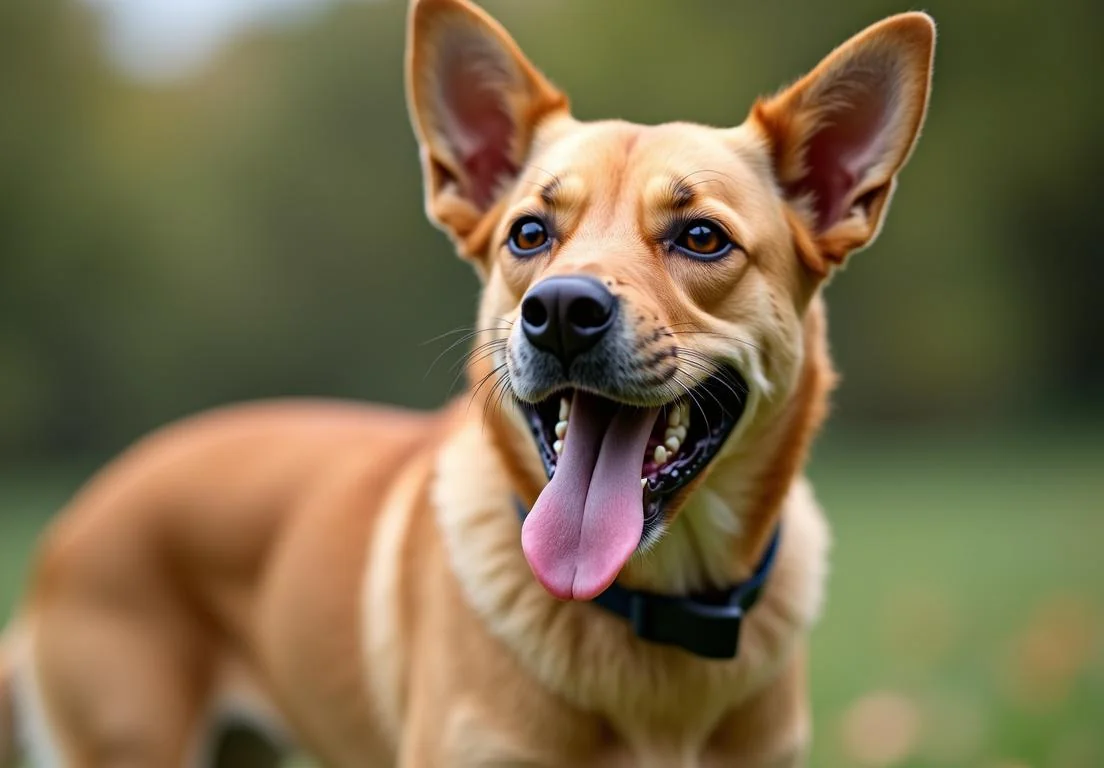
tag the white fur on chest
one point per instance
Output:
(32, 728)
(591, 658)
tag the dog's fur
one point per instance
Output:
(351, 577)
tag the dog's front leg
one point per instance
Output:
(412, 756)
(420, 746)
(466, 735)
(772, 729)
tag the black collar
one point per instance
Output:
(707, 624)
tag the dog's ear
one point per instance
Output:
(475, 102)
(839, 135)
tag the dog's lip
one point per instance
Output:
(718, 401)
(621, 398)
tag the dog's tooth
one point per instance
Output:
(679, 432)
(558, 447)
(561, 429)
(660, 454)
(685, 417)
(672, 444)
(674, 418)
(643, 482)
(565, 409)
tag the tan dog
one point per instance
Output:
(651, 336)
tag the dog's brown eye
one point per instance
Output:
(702, 239)
(528, 236)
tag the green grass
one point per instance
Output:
(964, 625)
(967, 587)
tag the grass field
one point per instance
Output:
(965, 617)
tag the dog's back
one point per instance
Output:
(163, 567)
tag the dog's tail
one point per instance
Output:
(9, 640)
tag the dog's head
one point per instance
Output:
(645, 286)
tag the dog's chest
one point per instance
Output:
(483, 745)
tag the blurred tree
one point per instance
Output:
(257, 229)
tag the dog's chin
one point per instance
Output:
(616, 469)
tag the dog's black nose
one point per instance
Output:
(566, 316)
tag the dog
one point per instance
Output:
(604, 554)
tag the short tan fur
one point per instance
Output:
(352, 577)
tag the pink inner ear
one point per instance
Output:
(839, 154)
(480, 130)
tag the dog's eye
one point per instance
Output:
(702, 239)
(528, 236)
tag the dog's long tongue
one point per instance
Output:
(588, 521)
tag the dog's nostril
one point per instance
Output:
(567, 315)
(586, 313)
(534, 312)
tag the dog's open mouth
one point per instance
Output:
(612, 468)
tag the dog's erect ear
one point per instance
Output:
(840, 134)
(475, 102)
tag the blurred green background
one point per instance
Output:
(186, 226)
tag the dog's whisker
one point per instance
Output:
(690, 394)
(461, 370)
(710, 375)
(471, 334)
(693, 329)
(549, 173)
(454, 345)
(717, 400)
(479, 348)
(503, 392)
(482, 382)
(446, 334)
(721, 372)
(690, 388)
(690, 175)
(492, 396)
(470, 330)
(480, 352)
(704, 364)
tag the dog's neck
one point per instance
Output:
(728, 520)
(588, 656)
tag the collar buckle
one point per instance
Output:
(710, 631)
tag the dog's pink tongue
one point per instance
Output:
(588, 521)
